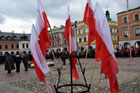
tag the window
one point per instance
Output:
(137, 31)
(27, 46)
(17, 46)
(80, 40)
(12, 46)
(125, 32)
(125, 19)
(23, 46)
(136, 17)
(85, 39)
(0, 46)
(84, 31)
(6, 46)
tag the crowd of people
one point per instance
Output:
(123, 52)
(12, 61)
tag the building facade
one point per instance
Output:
(81, 32)
(59, 36)
(133, 21)
(114, 33)
(13, 42)
(81, 35)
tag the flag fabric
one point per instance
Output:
(89, 20)
(69, 36)
(105, 50)
(41, 66)
(137, 47)
(42, 25)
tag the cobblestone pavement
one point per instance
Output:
(27, 82)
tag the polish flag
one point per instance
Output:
(41, 66)
(89, 20)
(105, 50)
(137, 47)
(42, 25)
(69, 36)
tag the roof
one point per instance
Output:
(129, 10)
(17, 36)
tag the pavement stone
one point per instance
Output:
(27, 82)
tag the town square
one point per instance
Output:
(70, 46)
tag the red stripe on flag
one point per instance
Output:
(39, 73)
(108, 66)
(44, 40)
(90, 21)
(74, 70)
(113, 82)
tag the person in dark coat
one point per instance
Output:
(30, 56)
(64, 53)
(18, 61)
(1, 58)
(9, 63)
(25, 60)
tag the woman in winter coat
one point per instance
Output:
(9, 63)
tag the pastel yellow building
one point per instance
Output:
(81, 34)
(114, 32)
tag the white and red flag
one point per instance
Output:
(137, 47)
(69, 36)
(105, 50)
(89, 20)
(42, 25)
(41, 66)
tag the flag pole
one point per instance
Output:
(54, 39)
(128, 27)
(70, 40)
(97, 91)
(85, 63)
(86, 59)
(92, 74)
(57, 48)
(71, 78)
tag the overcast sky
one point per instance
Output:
(19, 15)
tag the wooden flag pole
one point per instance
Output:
(97, 91)
(92, 74)
(51, 78)
(70, 40)
(46, 89)
(54, 39)
(56, 46)
(86, 59)
(54, 59)
(85, 63)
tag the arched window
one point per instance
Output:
(8, 38)
(14, 38)
(2, 37)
